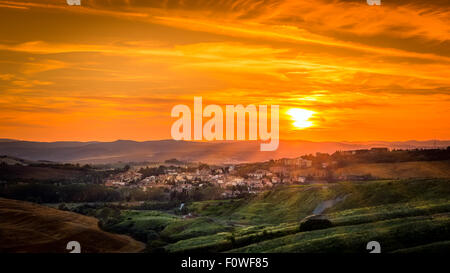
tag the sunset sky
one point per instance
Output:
(110, 70)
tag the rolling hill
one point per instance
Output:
(29, 228)
(413, 169)
(410, 215)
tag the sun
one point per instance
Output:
(301, 117)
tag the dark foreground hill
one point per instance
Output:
(27, 227)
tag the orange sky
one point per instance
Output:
(114, 69)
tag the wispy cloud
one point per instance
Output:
(110, 63)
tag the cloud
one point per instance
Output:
(126, 62)
(42, 66)
(10, 6)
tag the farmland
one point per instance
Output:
(411, 215)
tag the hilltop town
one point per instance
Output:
(234, 180)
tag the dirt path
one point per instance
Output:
(328, 204)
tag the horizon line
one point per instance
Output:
(218, 141)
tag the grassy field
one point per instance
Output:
(399, 170)
(190, 228)
(362, 219)
(394, 234)
(411, 215)
(293, 203)
(388, 210)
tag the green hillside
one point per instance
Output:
(395, 234)
(403, 215)
(378, 209)
(295, 202)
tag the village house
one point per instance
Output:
(275, 180)
(297, 162)
(258, 174)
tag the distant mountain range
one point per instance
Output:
(208, 152)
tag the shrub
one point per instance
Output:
(314, 222)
